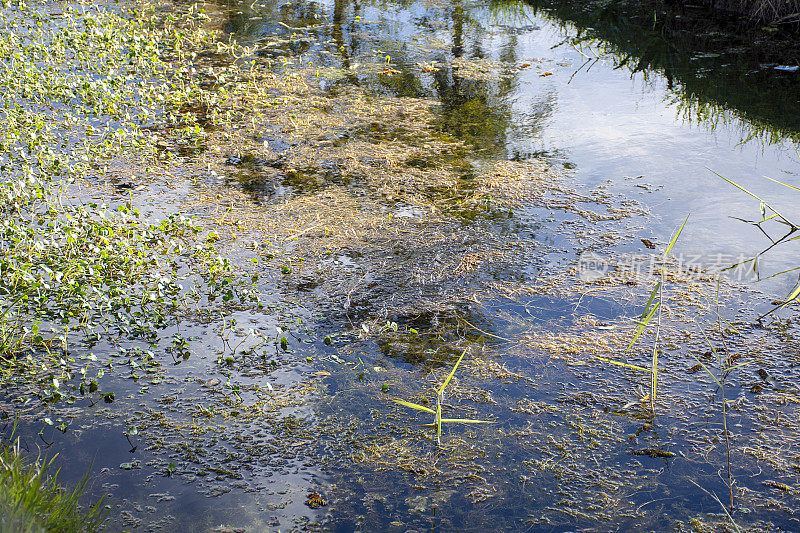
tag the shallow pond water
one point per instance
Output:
(435, 270)
(510, 80)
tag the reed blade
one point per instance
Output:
(450, 376)
(650, 300)
(414, 406)
(781, 272)
(782, 183)
(713, 350)
(626, 365)
(675, 237)
(643, 325)
(792, 296)
(754, 196)
(654, 379)
(719, 384)
(734, 367)
(742, 189)
(439, 415)
(464, 421)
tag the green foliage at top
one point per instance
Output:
(704, 60)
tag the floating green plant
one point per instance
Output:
(438, 420)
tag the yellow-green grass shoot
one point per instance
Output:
(764, 204)
(652, 309)
(438, 420)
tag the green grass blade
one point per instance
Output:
(643, 325)
(792, 296)
(415, 406)
(734, 367)
(709, 371)
(450, 376)
(754, 196)
(654, 378)
(439, 418)
(781, 272)
(782, 183)
(626, 365)
(714, 351)
(675, 237)
(464, 421)
(650, 301)
(742, 188)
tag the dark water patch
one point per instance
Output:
(550, 468)
(218, 427)
(261, 186)
(265, 178)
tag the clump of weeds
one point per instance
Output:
(32, 499)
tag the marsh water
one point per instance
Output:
(570, 447)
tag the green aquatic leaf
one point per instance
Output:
(458, 421)
(650, 300)
(709, 372)
(464, 421)
(626, 365)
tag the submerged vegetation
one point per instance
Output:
(652, 308)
